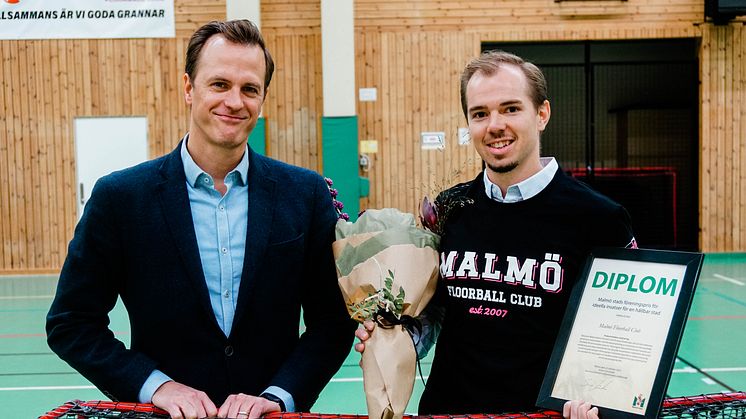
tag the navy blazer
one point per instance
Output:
(136, 240)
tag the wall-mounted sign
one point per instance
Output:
(368, 94)
(463, 136)
(369, 146)
(86, 19)
(433, 140)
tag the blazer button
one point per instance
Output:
(229, 350)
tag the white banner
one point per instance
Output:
(82, 19)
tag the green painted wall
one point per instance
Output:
(258, 137)
(339, 136)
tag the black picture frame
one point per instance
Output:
(693, 264)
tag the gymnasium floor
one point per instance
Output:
(712, 356)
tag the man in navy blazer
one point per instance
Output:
(215, 252)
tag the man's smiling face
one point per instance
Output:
(226, 93)
(504, 124)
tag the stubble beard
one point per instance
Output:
(504, 168)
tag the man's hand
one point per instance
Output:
(363, 334)
(243, 406)
(578, 409)
(183, 402)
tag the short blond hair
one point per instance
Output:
(489, 63)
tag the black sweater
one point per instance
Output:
(507, 270)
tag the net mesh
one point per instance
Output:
(534, 415)
(719, 405)
(105, 410)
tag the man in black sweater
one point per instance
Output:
(511, 253)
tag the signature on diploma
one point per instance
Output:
(591, 384)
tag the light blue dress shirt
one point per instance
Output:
(220, 224)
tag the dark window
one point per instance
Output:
(625, 120)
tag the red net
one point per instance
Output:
(720, 405)
(105, 410)
(535, 415)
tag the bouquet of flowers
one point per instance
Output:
(388, 271)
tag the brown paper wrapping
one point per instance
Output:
(389, 360)
(389, 367)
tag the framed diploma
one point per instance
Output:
(621, 331)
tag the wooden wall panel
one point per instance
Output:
(292, 16)
(45, 86)
(723, 139)
(486, 15)
(294, 103)
(416, 74)
(412, 51)
(397, 35)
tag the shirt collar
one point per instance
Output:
(525, 189)
(193, 172)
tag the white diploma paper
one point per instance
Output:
(620, 330)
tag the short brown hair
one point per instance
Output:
(489, 63)
(240, 31)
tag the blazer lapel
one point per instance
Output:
(262, 190)
(174, 200)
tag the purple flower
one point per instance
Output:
(433, 215)
(429, 215)
(338, 206)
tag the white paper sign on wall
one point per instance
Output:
(86, 19)
(368, 94)
(463, 136)
(433, 140)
